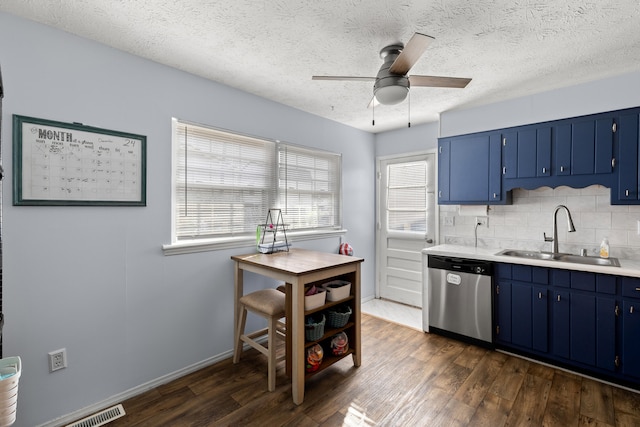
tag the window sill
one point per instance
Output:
(205, 245)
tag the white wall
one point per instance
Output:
(94, 279)
(419, 138)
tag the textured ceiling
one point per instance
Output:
(272, 47)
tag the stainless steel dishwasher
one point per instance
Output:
(460, 298)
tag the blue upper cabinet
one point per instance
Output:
(484, 167)
(469, 169)
(574, 152)
(626, 190)
(592, 146)
(527, 152)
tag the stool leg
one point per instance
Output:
(273, 325)
(242, 319)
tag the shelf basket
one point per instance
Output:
(339, 316)
(314, 331)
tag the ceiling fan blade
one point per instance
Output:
(410, 53)
(435, 81)
(352, 78)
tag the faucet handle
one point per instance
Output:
(547, 239)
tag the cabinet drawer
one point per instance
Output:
(631, 287)
(583, 281)
(503, 271)
(606, 284)
(561, 278)
(522, 273)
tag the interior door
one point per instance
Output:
(406, 225)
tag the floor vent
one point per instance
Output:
(101, 418)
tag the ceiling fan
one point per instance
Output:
(392, 83)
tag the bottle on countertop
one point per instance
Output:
(604, 248)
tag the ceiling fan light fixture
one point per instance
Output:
(390, 95)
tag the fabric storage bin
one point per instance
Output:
(316, 300)
(337, 290)
(338, 316)
(314, 327)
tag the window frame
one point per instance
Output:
(182, 246)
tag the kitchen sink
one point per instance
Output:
(561, 257)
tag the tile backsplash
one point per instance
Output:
(521, 225)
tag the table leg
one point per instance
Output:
(238, 285)
(289, 322)
(297, 343)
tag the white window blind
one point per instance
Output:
(309, 187)
(407, 197)
(225, 183)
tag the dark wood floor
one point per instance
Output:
(407, 378)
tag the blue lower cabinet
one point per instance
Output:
(631, 338)
(561, 324)
(606, 333)
(540, 339)
(502, 311)
(586, 321)
(521, 315)
(583, 325)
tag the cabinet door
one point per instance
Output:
(495, 172)
(540, 319)
(582, 320)
(443, 169)
(503, 311)
(469, 169)
(521, 315)
(606, 333)
(630, 341)
(543, 152)
(526, 154)
(592, 146)
(510, 154)
(561, 324)
(604, 145)
(562, 138)
(583, 147)
(628, 157)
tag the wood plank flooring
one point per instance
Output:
(407, 378)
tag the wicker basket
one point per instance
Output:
(338, 317)
(314, 331)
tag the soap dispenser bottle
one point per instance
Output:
(604, 248)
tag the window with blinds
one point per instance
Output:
(408, 201)
(226, 182)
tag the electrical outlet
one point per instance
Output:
(483, 220)
(57, 359)
(449, 221)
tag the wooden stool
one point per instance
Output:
(270, 304)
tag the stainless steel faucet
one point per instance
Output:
(570, 226)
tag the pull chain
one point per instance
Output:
(409, 114)
(373, 112)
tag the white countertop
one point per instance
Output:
(630, 268)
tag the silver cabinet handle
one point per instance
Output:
(558, 298)
(439, 193)
(539, 295)
(561, 168)
(626, 193)
(495, 196)
(544, 170)
(613, 162)
(504, 170)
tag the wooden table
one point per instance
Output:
(297, 268)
